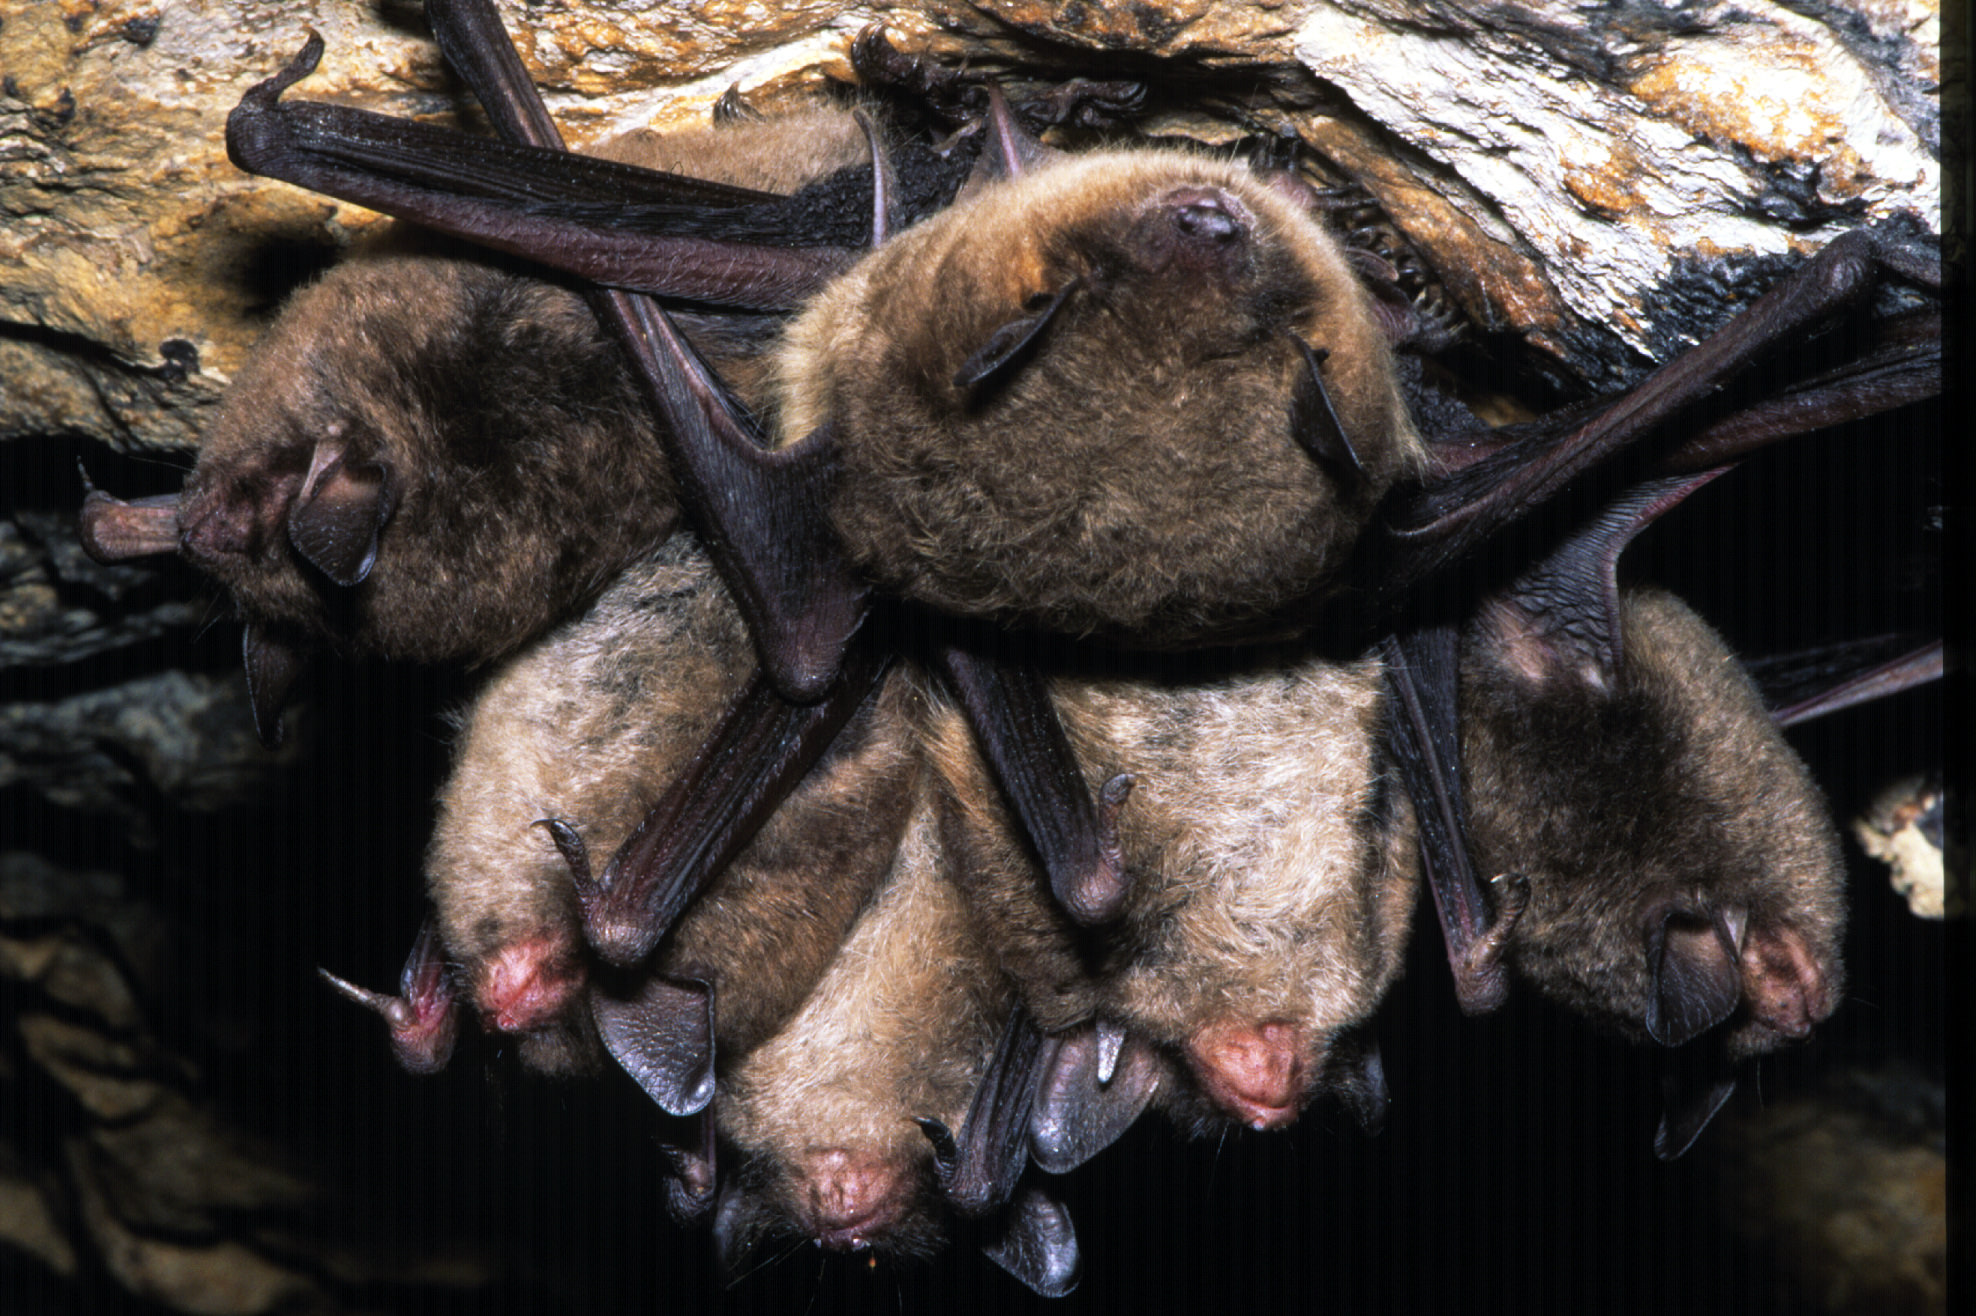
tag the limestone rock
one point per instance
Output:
(1596, 183)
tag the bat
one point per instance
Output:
(565, 750)
(899, 1030)
(1272, 871)
(412, 399)
(1661, 862)
(794, 577)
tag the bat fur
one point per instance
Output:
(589, 725)
(1682, 867)
(1273, 869)
(1076, 494)
(899, 1028)
(433, 458)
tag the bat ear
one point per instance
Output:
(338, 515)
(112, 530)
(273, 667)
(1036, 1244)
(664, 1038)
(1099, 1083)
(1693, 962)
(1011, 342)
(1356, 1072)
(1314, 422)
(1690, 1098)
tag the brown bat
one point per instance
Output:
(899, 1033)
(1660, 861)
(410, 466)
(1273, 872)
(565, 750)
(778, 524)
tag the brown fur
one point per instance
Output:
(590, 725)
(522, 455)
(1273, 869)
(1672, 789)
(1136, 476)
(899, 1028)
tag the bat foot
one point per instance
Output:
(423, 1017)
(112, 530)
(1481, 979)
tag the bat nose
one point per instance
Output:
(1200, 228)
(1206, 220)
(852, 1197)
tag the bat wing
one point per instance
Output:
(757, 754)
(1485, 488)
(978, 1169)
(1097, 1085)
(663, 1035)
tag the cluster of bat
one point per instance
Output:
(1023, 673)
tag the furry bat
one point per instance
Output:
(1272, 870)
(898, 1030)
(1663, 864)
(1057, 260)
(585, 729)
(409, 403)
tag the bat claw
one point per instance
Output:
(577, 855)
(946, 1151)
(395, 1012)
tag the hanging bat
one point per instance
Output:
(565, 750)
(1660, 861)
(431, 458)
(1435, 509)
(899, 1031)
(1272, 871)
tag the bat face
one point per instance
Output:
(1082, 400)
(1273, 875)
(408, 465)
(899, 1029)
(1683, 873)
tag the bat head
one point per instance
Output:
(1138, 395)
(406, 467)
(1684, 877)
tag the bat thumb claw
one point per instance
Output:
(946, 1151)
(393, 1010)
